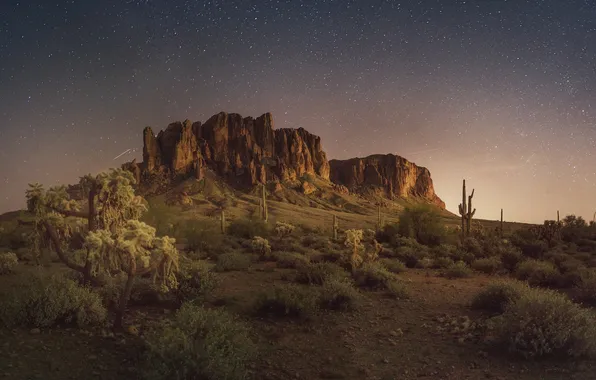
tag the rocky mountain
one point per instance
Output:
(393, 175)
(248, 151)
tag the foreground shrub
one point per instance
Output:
(195, 281)
(42, 300)
(8, 261)
(393, 266)
(373, 276)
(511, 257)
(290, 260)
(412, 257)
(232, 261)
(586, 287)
(201, 236)
(544, 322)
(497, 296)
(199, 343)
(319, 273)
(338, 295)
(537, 273)
(442, 263)
(422, 223)
(287, 301)
(457, 270)
(489, 265)
(248, 228)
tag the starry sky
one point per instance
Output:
(502, 93)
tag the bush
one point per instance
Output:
(200, 343)
(338, 295)
(457, 270)
(232, 261)
(442, 263)
(411, 257)
(42, 300)
(373, 276)
(544, 322)
(393, 266)
(144, 291)
(511, 257)
(8, 261)
(488, 265)
(195, 281)
(397, 289)
(497, 296)
(287, 301)
(290, 260)
(283, 229)
(201, 236)
(388, 234)
(316, 242)
(586, 287)
(422, 223)
(248, 228)
(260, 246)
(473, 246)
(537, 273)
(319, 273)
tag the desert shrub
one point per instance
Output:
(537, 273)
(199, 343)
(388, 234)
(511, 257)
(283, 229)
(330, 256)
(422, 223)
(372, 276)
(260, 246)
(583, 256)
(8, 261)
(200, 236)
(232, 261)
(397, 289)
(144, 291)
(473, 246)
(319, 273)
(338, 295)
(43, 300)
(586, 287)
(195, 281)
(489, 265)
(544, 322)
(571, 265)
(316, 242)
(287, 300)
(443, 250)
(248, 228)
(457, 270)
(442, 263)
(393, 266)
(462, 255)
(411, 256)
(290, 260)
(497, 296)
(534, 249)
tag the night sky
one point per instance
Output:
(502, 93)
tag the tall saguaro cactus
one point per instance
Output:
(466, 211)
(264, 212)
(501, 231)
(379, 218)
(223, 221)
(335, 227)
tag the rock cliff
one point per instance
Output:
(395, 175)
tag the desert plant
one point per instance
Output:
(290, 260)
(373, 276)
(423, 224)
(45, 300)
(199, 343)
(472, 245)
(354, 243)
(544, 322)
(8, 261)
(248, 228)
(489, 265)
(457, 270)
(195, 281)
(260, 246)
(497, 296)
(466, 212)
(511, 257)
(537, 273)
(283, 229)
(586, 287)
(232, 261)
(397, 289)
(289, 300)
(200, 235)
(411, 257)
(442, 263)
(319, 273)
(338, 294)
(393, 266)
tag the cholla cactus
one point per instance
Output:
(261, 246)
(8, 261)
(368, 234)
(370, 256)
(354, 241)
(283, 229)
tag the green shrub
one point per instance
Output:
(199, 343)
(473, 246)
(330, 256)
(489, 265)
(397, 289)
(393, 266)
(288, 300)
(461, 254)
(319, 273)
(144, 291)
(511, 257)
(586, 287)
(544, 322)
(248, 228)
(290, 260)
(388, 234)
(42, 300)
(195, 281)
(422, 223)
(538, 273)
(338, 295)
(497, 296)
(201, 236)
(411, 257)
(232, 261)
(316, 242)
(373, 276)
(442, 263)
(457, 270)
(8, 261)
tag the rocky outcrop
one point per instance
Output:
(244, 151)
(395, 175)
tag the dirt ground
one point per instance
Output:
(383, 339)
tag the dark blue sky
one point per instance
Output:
(499, 92)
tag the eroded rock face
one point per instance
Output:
(396, 175)
(245, 151)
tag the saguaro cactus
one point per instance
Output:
(223, 221)
(335, 227)
(501, 229)
(466, 211)
(265, 214)
(379, 218)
